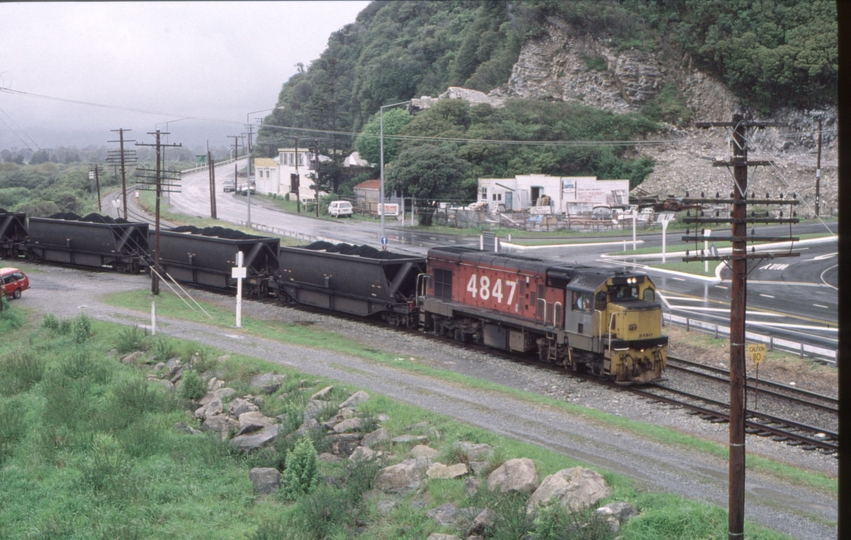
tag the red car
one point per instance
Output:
(14, 282)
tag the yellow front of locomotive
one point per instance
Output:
(635, 349)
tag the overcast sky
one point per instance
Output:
(139, 64)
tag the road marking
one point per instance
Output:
(823, 257)
(677, 279)
(774, 266)
(720, 287)
(821, 306)
(767, 295)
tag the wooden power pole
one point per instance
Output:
(154, 182)
(738, 263)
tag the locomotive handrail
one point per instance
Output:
(422, 278)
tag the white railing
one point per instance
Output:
(823, 354)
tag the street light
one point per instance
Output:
(381, 190)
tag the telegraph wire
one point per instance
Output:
(19, 129)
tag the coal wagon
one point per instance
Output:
(357, 280)
(206, 257)
(93, 241)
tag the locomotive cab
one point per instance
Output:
(634, 348)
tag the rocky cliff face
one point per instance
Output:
(568, 67)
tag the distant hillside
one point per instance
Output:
(670, 62)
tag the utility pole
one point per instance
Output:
(235, 157)
(212, 173)
(297, 187)
(316, 173)
(738, 263)
(122, 158)
(158, 175)
(94, 172)
(248, 174)
(820, 116)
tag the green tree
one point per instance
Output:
(301, 473)
(430, 171)
(368, 143)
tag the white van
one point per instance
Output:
(340, 208)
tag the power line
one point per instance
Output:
(19, 129)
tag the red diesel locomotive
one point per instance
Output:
(581, 317)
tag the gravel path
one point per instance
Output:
(798, 512)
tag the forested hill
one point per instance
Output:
(768, 55)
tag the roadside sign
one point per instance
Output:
(383, 240)
(756, 352)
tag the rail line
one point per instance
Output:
(756, 423)
(764, 387)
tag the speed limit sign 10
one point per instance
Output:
(756, 352)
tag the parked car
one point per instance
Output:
(242, 189)
(14, 282)
(340, 208)
(228, 186)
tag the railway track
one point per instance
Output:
(756, 423)
(762, 387)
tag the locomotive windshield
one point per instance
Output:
(623, 292)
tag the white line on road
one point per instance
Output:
(821, 306)
(721, 286)
(767, 295)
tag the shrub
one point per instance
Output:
(20, 370)
(50, 321)
(80, 365)
(82, 328)
(130, 340)
(192, 387)
(12, 427)
(301, 475)
(163, 349)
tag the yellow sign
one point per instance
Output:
(756, 352)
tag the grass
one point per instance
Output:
(90, 452)
(295, 334)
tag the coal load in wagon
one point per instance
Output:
(207, 256)
(359, 251)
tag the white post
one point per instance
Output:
(239, 273)
(706, 233)
(153, 318)
(634, 216)
(664, 238)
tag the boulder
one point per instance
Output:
(575, 489)
(445, 514)
(483, 521)
(329, 458)
(363, 453)
(267, 383)
(260, 439)
(355, 399)
(213, 407)
(308, 426)
(402, 477)
(517, 474)
(376, 437)
(351, 424)
(401, 439)
(423, 451)
(221, 394)
(440, 471)
(183, 427)
(441, 536)
(616, 514)
(471, 485)
(313, 408)
(250, 422)
(476, 451)
(322, 394)
(132, 358)
(220, 423)
(239, 406)
(265, 480)
(343, 444)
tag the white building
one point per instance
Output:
(546, 194)
(291, 171)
